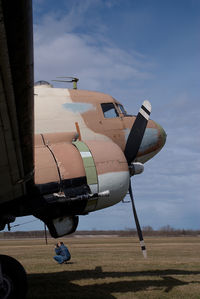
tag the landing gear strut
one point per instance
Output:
(13, 280)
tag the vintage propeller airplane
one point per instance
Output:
(78, 159)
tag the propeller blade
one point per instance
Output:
(139, 231)
(137, 132)
(61, 81)
(74, 79)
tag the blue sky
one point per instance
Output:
(134, 50)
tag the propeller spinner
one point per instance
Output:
(131, 149)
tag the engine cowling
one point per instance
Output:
(75, 175)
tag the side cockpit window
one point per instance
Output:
(109, 110)
(121, 109)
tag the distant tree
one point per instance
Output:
(130, 229)
(147, 228)
(167, 228)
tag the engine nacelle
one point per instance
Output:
(80, 172)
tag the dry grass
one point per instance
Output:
(111, 268)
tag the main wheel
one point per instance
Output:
(13, 280)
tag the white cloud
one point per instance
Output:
(59, 51)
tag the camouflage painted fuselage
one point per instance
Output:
(103, 127)
(58, 110)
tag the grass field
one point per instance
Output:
(110, 267)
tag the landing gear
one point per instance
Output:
(13, 280)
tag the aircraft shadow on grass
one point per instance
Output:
(65, 282)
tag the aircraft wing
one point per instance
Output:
(16, 98)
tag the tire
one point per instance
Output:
(14, 279)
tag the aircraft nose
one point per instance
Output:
(163, 135)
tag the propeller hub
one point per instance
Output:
(136, 168)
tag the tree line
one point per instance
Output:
(147, 231)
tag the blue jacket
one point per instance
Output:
(63, 250)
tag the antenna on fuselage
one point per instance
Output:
(73, 79)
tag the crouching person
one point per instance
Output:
(62, 253)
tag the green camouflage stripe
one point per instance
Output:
(88, 162)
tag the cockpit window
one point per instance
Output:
(122, 110)
(109, 110)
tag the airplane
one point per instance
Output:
(75, 155)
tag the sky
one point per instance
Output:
(134, 50)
